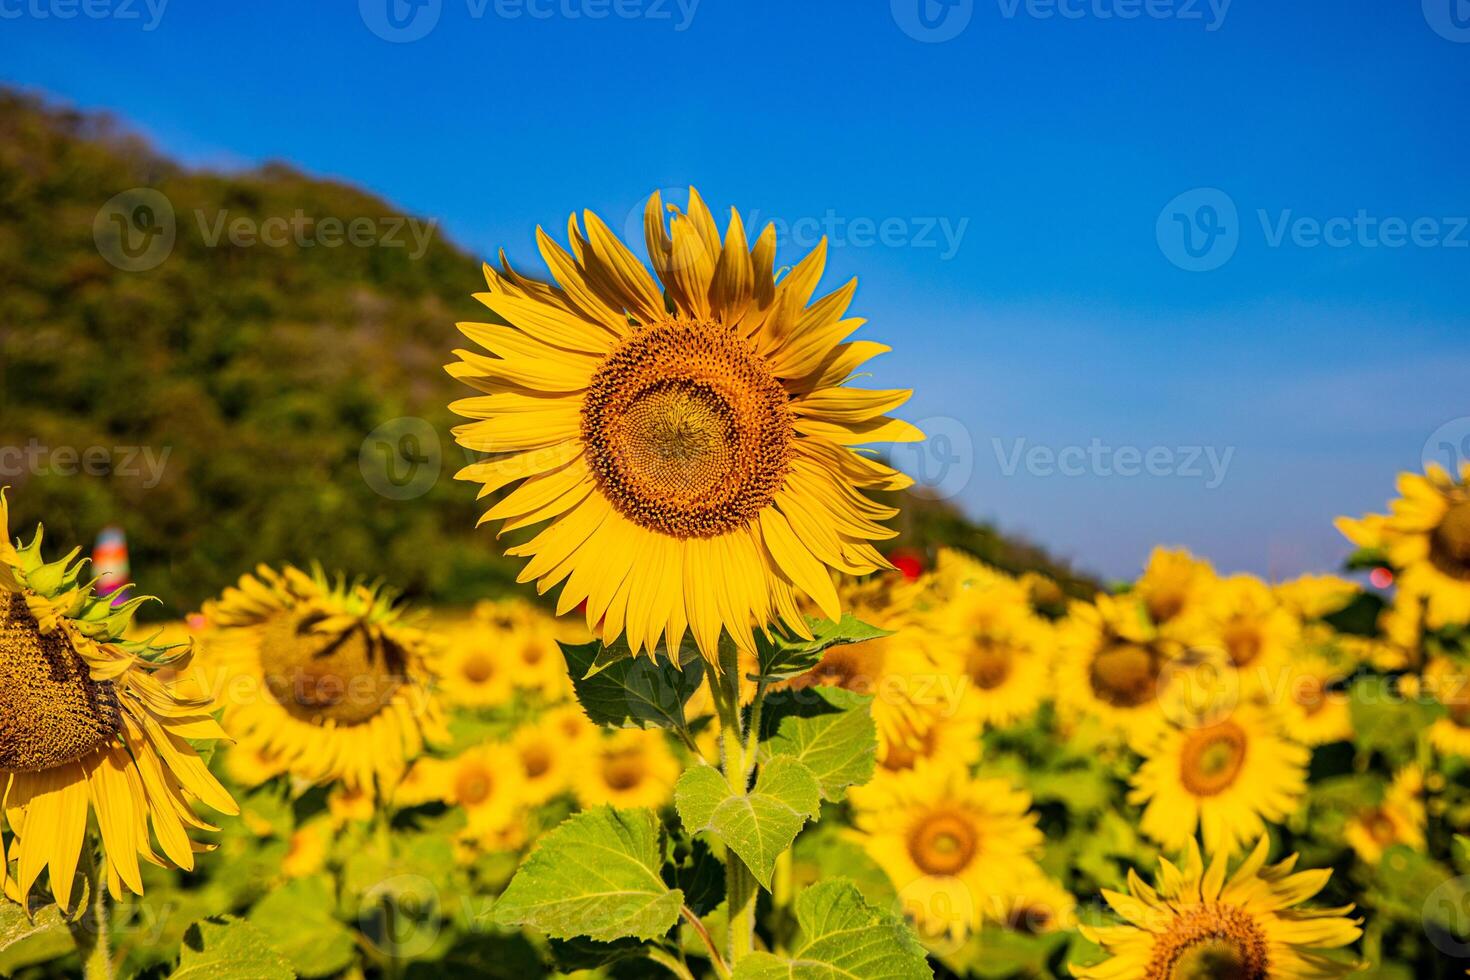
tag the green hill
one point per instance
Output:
(214, 395)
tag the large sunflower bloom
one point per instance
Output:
(1197, 924)
(687, 439)
(1113, 665)
(88, 722)
(324, 677)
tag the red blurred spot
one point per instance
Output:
(908, 561)
(1381, 578)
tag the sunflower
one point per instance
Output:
(1254, 629)
(575, 732)
(544, 759)
(1199, 924)
(955, 570)
(476, 671)
(1176, 589)
(486, 783)
(325, 677)
(1113, 666)
(990, 638)
(628, 768)
(1036, 906)
(1316, 596)
(1399, 820)
(307, 850)
(949, 843)
(1448, 681)
(87, 724)
(687, 439)
(1226, 778)
(948, 733)
(249, 767)
(1426, 536)
(350, 804)
(534, 660)
(1314, 710)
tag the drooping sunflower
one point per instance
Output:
(686, 440)
(951, 844)
(628, 768)
(1254, 629)
(1175, 590)
(326, 677)
(88, 724)
(989, 637)
(1426, 536)
(1112, 665)
(1199, 924)
(1227, 779)
(1399, 819)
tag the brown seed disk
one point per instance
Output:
(943, 843)
(346, 678)
(1212, 758)
(1449, 546)
(687, 430)
(1211, 942)
(51, 711)
(1126, 675)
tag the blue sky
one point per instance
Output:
(1033, 166)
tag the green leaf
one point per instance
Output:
(15, 927)
(758, 825)
(842, 936)
(228, 948)
(597, 875)
(631, 692)
(296, 919)
(829, 729)
(1388, 725)
(782, 658)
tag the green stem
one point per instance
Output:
(89, 932)
(718, 961)
(669, 962)
(740, 884)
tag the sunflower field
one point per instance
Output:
(719, 729)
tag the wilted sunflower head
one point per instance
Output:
(88, 720)
(325, 676)
(684, 439)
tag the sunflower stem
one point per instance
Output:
(740, 884)
(89, 931)
(669, 962)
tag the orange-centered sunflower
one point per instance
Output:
(685, 440)
(88, 722)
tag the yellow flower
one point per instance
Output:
(251, 766)
(575, 732)
(477, 671)
(486, 783)
(1316, 596)
(87, 724)
(1038, 905)
(1176, 590)
(629, 768)
(1199, 924)
(1399, 819)
(1226, 778)
(545, 760)
(1448, 682)
(948, 733)
(1254, 630)
(1313, 710)
(686, 441)
(1426, 536)
(989, 637)
(1112, 666)
(535, 661)
(325, 678)
(306, 853)
(350, 804)
(949, 843)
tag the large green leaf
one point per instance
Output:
(829, 729)
(597, 875)
(229, 949)
(758, 825)
(296, 919)
(842, 936)
(616, 688)
(782, 658)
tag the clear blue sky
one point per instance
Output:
(1049, 146)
